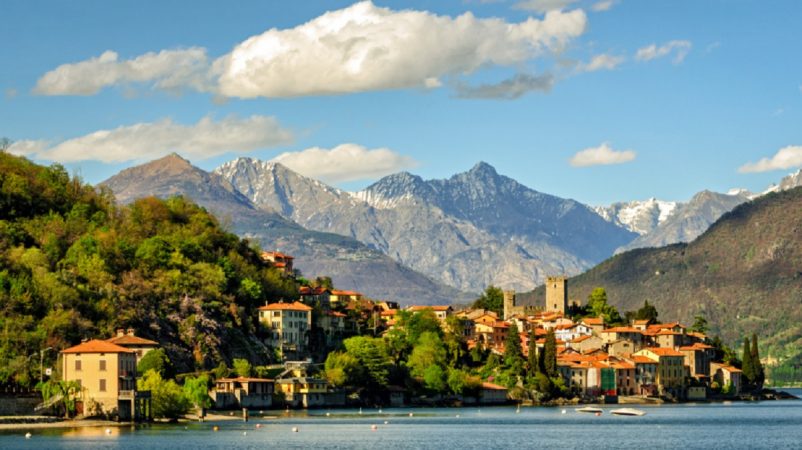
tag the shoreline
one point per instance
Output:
(72, 423)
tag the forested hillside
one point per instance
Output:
(73, 264)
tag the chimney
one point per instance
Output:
(120, 332)
(130, 331)
(84, 340)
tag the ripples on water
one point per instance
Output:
(736, 425)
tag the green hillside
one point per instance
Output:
(744, 274)
(73, 264)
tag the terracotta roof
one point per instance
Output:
(131, 340)
(668, 333)
(622, 330)
(389, 312)
(244, 380)
(501, 324)
(276, 255)
(346, 293)
(433, 308)
(492, 386)
(336, 314)
(580, 339)
(696, 346)
(295, 306)
(731, 369)
(594, 320)
(640, 359)
(662, 351)
(97, 346)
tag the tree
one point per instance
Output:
(168, 399)
(647, 312)
(60, 394)
(598, 306)
(242, 367)
(757, 366)
(372, 355)
(157, 360)
(323, 282)
(492, 299)
(428, 352)
(196, 390)
(221, 371)
(532, 360)
(454, 339)
(550, 354)
(513, 355)
(699, 324)
(746, 362)
(435, 378)
(343, 369)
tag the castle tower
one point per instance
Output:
(509, 304)
(557, 294)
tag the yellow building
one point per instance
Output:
(107, 375)
(303, 391)
(127, 339)
(288, 326)
(671, 370)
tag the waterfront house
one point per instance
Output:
(493, 394)
(645, 375)
(671, 370)
(697, 358)
(129, 340)
(242, 392)
(308, 392)
(287, 326)
(106, 373)
(724, 375)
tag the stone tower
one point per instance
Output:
(509, 304)
(557, 294)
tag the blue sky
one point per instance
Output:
(600, 101)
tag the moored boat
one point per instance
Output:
(589, 409)
(628, 412)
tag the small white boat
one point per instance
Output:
(589, 409)
(628, 412)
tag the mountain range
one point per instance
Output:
(469, 231)
(351, 264)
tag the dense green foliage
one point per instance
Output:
(157, 360)
(492, 299)
(167, 397)
(73, 264)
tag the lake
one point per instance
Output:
(775, 424)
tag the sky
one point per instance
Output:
(599, 101)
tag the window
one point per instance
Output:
(77, 365)
(102, 385)
(102, 365)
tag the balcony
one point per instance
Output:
(131, 394)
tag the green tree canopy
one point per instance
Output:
(242, 367)
(196, 390)
(699, 324)
(372, 355)
(492, 299)
(168, 399)
(598, 306)
(157, 360)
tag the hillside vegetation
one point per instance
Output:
(73, 264)
(744, 274)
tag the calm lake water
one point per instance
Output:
(776, 424)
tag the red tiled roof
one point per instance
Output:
(696, 346)
(131, 340)
(244, 380)
(580, 339)
(662, 351)
(346, 293)
(295, 306)
(492, 386)
(276, 255)
(622, 330)
(593, 320)
(389, 313)
(433, 308)
(640, 359)
(97, 346)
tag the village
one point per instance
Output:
(639, 362)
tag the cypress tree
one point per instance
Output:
(757, 366)
(532, 359)
(513, 355)
(550, 355)
(746, 362)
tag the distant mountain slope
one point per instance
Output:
(351, 264)
(472, 230)
(744, 274)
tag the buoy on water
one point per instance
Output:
(457, 416)
(410, 414)
(108, 430)
(215, 428)
(386, 422)
(294, 429)
(28, 435)
(374, 428)
(360, 410)
(563, 412)
(380, 410)
(598, 414)
(328, 414)
(258, 425)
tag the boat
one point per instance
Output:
(628, 412)
(589, 409)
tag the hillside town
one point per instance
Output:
(641, 361)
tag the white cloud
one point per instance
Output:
(603, 5)
(601, 155)
(169, 70)
(509, 89)
(346, 162)
(145, 141)
(602, 62)
(650, 52)
(543, 6)
(365, 47)
(786, 158)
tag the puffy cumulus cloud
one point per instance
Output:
(509, 89)
(602, 62)
(346, 162)
(543, 6)
(167, 69)
(601, 156)
(144, 141)
(680, 49)
(365, 47)
(786, 158)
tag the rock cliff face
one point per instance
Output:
(640, 217)
(351, 264)
(471, 230)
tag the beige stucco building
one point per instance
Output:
(107, 375)
(288, 326)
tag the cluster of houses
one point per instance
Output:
(646, 359)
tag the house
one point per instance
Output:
(671, 370)
(127, 339)
(622, 347)
(697, 358)
(242, 392)
(106, 373)
(305, 392)
(334, 326)
(584, 343)
(280, 261)
(492, 394)
(726, 375)
(667, 338)
(641, 325)
(288, 326)
(626, 333)
(645, 375)
(318, 296)
(596, 324)
(440, 311)
(624, 377)
(339, 297)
